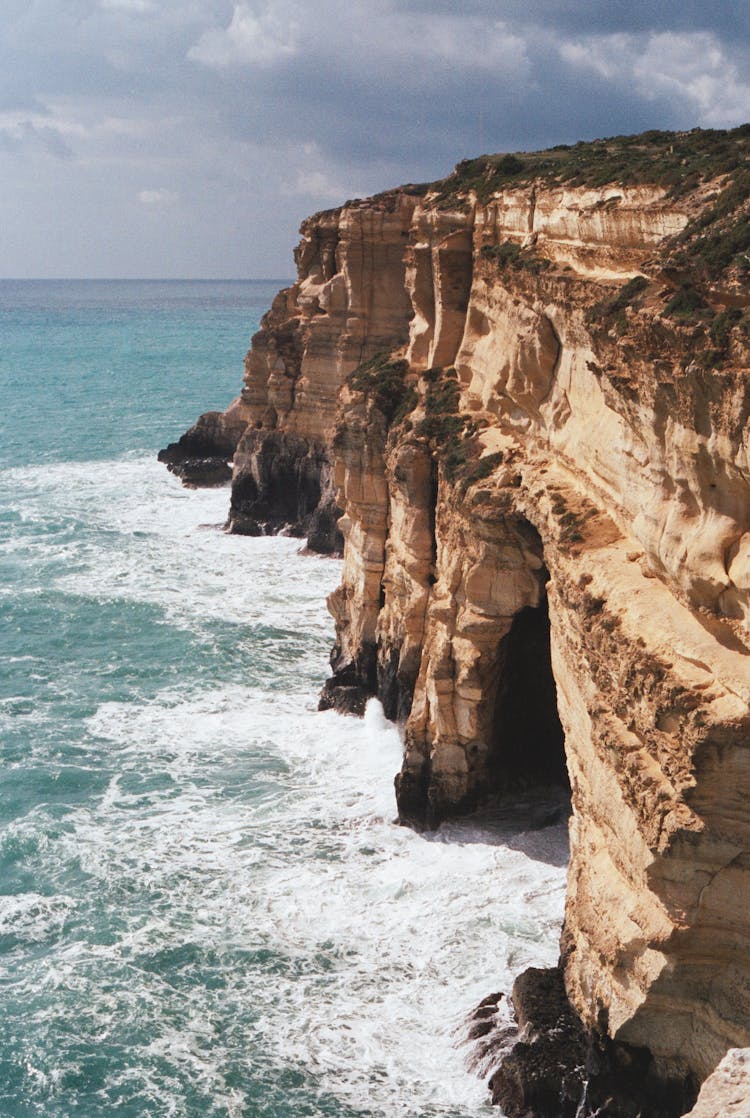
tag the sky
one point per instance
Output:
(188, 138)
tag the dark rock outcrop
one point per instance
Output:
(558, 1069)
(282, 483)
(203, 455)
(543, 1074)
(353, 682)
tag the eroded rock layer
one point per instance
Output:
(527, 388)
(348, 303)
(548, 544)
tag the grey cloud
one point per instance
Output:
(425, 113)
(693, 68)
(27, 136)
(731, 17)
(255, 111)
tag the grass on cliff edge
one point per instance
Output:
(679, 161)
(381, 381)
(713, 247)
(449, 432)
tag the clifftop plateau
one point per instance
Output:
(519, 400)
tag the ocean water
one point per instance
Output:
(206, 910)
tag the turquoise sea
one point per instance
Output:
(206, 910)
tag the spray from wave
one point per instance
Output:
(209, 909)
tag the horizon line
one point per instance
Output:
(146, 279)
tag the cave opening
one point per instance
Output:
(527, 747)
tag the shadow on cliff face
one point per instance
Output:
(528, 742)
(283, 483)
(520, 743)
(534, 822)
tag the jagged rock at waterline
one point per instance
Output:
(527, 387)
(552, 1067)
(203, 455)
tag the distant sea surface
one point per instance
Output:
(206, 910)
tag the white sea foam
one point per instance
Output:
(259, 916)
(150, 544)
(384, 938)
(32, 918)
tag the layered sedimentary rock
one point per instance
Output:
(529, 388)
(551, 545)
(347, 304)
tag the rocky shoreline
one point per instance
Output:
(519, 400)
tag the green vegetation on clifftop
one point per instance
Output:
(678, 161)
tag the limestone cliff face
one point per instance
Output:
(348, 303)
(725, 1093)
(551, 544)
(530, 397)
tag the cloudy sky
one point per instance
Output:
(189, 137)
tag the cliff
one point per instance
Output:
(527, 389)
(347, 304)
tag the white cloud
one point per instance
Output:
(158, 197)
(465, 43)
(318, 185)
(126, 5)
(691, 67)
(30, 138)
(605, 55)
(42, 132)
(20, 122)
(255, 38)
(382, 40)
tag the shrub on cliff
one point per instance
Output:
(717, 240)
(510, 254)
(480, 468)
(678, 161)
(687, 304)
(612, 310)
(721, 333)
(447, 429)
(381, 381)
(721, 327)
